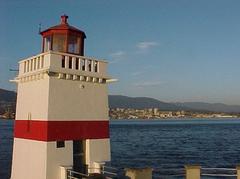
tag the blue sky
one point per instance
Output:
(172, 50)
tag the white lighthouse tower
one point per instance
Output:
(62, 108)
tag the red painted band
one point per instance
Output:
(61, 130)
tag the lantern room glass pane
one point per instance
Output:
(59, 42)
(47, 43)
(73, 44)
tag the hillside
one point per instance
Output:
(214, 107)
(118, 101)
(7, 96)
(7, 102)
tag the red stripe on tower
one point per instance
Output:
(61, 130)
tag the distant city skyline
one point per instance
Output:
(171, 50)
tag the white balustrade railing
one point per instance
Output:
(32, 64)
(80, 63)
(63, 63)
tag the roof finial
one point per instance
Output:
(39, 28)
(64, 19)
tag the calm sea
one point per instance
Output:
(165, 144)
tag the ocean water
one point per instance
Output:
(6, 143)
(165, 145)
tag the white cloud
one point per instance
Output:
(143, 70)
(146, 45)
(148, 84)
(117, 56)
(137, 73)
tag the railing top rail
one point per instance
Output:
(61, 53)
(78, 173)
(34, 56)
(78, 56)
(219, 175)
(72, 177)
(109, 167)
(229, 169)
(170, 169)
(173, 175)
(111, 173)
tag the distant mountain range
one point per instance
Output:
(7, 101)
(7, 96)
(118, 101)
(214, 107)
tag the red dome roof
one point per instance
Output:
(64, 26)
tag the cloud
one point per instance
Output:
(146, 45)
(142, 47)
(117, 56)
(148, 84)
(142, 70)
(137, 73)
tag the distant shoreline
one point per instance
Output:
(163, 119)
(180, 119)
(6, 119)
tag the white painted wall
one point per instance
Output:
(32, 97)
(58, 99)
(68, 101)
(97, 150)
(57, 157)
(39, 160)
(29, 159)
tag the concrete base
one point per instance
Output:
(39, 160)
(192, 172)
(144, 173)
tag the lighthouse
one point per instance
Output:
(62, 109)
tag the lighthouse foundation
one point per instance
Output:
(42, 160)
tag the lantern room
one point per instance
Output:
(63, 38)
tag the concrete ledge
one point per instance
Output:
(192, 171)
(63, 171)
(238, 171)
(139, 173)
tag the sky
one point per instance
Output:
(171, 50)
